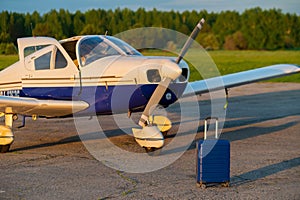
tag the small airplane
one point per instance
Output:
(78, 75)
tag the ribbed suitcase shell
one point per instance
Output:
(213, 161)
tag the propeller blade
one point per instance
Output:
(154, 100)
(170, 71)
(190, 40)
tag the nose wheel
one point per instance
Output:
(151, 137)
(148, 137)
(153, 151)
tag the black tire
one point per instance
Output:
(4, 148)
(153, 151)
(165, 133)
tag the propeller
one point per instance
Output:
(170, 71)
(151, 137)
(190, 40)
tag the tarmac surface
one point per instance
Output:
(49, 161)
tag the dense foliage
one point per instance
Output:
(253, 29)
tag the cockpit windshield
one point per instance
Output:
(92, 48)
(129, 50)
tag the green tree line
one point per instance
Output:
(253, 29)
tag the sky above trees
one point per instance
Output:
(21, 6)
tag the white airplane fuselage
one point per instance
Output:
(114, 83)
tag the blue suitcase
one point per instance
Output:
(213, 160)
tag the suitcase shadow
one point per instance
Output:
(264, 172)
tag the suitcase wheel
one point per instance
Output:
(226, 184)
(201, 185)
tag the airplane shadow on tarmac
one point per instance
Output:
(68, 140)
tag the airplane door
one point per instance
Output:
(48, 68)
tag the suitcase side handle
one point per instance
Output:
(205, 126)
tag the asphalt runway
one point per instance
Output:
(49, 161)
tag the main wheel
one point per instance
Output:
(4, 148)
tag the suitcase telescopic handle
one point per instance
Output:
(205, 126)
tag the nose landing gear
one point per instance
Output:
(151, 137)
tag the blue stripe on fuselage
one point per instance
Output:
(107, 100)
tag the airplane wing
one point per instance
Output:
(46, 108)
(240, 78)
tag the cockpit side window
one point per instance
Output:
(70, 48)
(43, 62)
(60, 60)
(51, 58)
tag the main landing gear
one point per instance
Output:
(6, 133)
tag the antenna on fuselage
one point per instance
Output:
(32, 33)
(106, 33)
